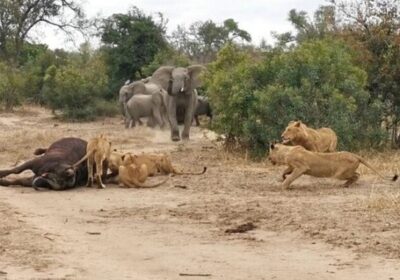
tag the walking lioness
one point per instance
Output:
(339, 165)
(316, 140)
(97, 151)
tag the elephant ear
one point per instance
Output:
(137, 87)
(162, 76)
(195, 75)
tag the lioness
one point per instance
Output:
(97, 151)
(114, 162)
(157, 164)
(133, 176)
(316, 140)
(339, 165)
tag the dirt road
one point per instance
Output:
(316, 231)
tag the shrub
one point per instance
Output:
(12, 84)
(75, 89)
(106, 108)
(230, 87)
(315, 82)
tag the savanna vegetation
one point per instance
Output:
(340, 68)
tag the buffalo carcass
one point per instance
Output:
(53, 167)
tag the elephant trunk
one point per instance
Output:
(169, 90)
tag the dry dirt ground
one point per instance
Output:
(318, 230)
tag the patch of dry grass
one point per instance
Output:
(380, 201)
(387, 162)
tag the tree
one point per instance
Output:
(168, 56)
(130, 42)
(202, 40)
(19, 18)
(322, 25)
(371, 28)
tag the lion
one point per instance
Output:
(133, 176)
(98, 150)
(114, 162)
(315, 140)
(339, 165)
(160, 163)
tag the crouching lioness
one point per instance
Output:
(316, 140)
(133, 176)
(339, 165)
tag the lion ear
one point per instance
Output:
(272, 146)
(298, 123)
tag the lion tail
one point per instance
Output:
(363, 161)
(84, 158)
(135, 184)
(191, 173)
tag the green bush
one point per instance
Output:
(104, 108)
(230, 86)
(12, 85)
(315, 82)
(75, 89)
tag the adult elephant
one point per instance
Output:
(180, 84)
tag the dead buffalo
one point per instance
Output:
(53, 167)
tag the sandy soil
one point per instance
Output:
(318, 230)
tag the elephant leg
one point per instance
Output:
(196, 118)
(172, 119)
(157, 116)
(140, 122)
(151, 122)
(190, 106)
(165, 120)
(122, 108)
(128, 120)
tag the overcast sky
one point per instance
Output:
(258, 17)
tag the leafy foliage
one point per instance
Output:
(371, 29)
(167, 56)
(76, 88)
(19, 18)
(316, 82)
(202, 40)
(131, 42)
(12, 84)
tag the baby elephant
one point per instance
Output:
(140, 106)
(203, 108)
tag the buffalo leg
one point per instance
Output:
(18, 169)
(24, 182)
